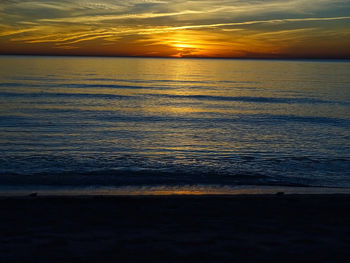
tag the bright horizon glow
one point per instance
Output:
(177, 28)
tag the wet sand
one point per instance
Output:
(246, 228)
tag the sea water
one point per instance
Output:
(84, 121)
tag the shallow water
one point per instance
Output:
(139, 121)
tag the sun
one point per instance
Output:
(184, 43)
(182, 46)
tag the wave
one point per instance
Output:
(244, 170)
(247, 99)
(251, 99)
(210, 119)
(56, 79)
(143, 177)
(70, 85)
(66, 95)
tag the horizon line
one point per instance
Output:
(185, 57)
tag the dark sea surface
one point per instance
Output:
(71, 121)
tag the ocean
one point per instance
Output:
(116, 122)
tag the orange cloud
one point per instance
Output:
(295, 28)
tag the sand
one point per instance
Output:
(247, 228)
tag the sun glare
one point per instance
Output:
(182, 46)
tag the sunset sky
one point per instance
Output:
(177, 28)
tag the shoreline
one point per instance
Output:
(165, 190)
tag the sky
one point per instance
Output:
(177, 28)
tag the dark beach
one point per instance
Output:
(243, 228)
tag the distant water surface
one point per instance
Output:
(142, 121)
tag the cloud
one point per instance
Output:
(89, 19)
(17, 31)
(200, 25)
(272, 21)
